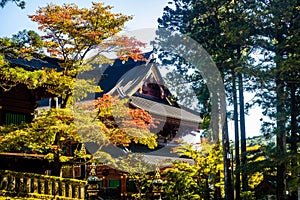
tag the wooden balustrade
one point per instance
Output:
(21, 184)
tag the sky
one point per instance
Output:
(145, 14)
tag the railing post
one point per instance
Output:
(31, 185)
(42, 186)
(4, 183)
(73, 190)
(36, 185)
(9, 183)
(25, 184)
(52, 183)
(46, 186)
(66, 189)
(63, 188)
(82, 191)
(60, 191)
(17, 185)
(26, 188)
(56, 188)
(70, 190)
(39, 186)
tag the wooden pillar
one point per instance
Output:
(123, 185)
(104, 182)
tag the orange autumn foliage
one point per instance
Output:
(71, 31)
(123, 124)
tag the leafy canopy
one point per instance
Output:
(110, 121)
(193, 181)
(71, 32)
(19, 3)
(123, 124)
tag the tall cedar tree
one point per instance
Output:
(277, 40)
(19, 3)
(224, 32)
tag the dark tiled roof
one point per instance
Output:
(35, 63)
(131, 80)
(113, 73)
(164, 110)
(165, 161)
(157, 100)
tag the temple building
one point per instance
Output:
(139, 81)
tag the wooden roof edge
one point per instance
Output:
(25, 154)
(22, 154)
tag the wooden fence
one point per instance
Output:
(29, 185)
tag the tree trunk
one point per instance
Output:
(237, 139)
(206, 189)
(281, 140)
(227, 167)
(66, 100)
(217, 192)
(56, 161)
(243, 131)
(294, 139)
(56, 164)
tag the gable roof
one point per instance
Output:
(130, 82)
(125, 80)
(113, 73)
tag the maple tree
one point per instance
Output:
(52, 131)
(73, 32)
(122, 124)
